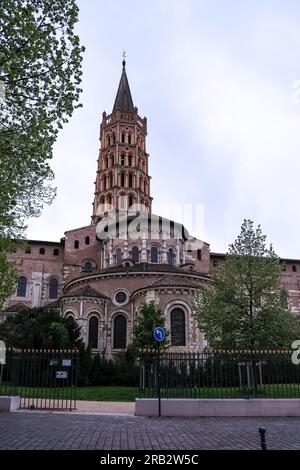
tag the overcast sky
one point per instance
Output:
(219, 82)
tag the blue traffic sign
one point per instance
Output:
(159, 333)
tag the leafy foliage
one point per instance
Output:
(40, 73)
(107, 372)
(40, 328)
(244, 308)
(149, 317)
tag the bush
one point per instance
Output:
(106, 372)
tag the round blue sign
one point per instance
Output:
(159, 333)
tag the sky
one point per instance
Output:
(219, 82)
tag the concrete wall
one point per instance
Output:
(218, 407)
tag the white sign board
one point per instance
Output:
(67, 362)
(61, 374)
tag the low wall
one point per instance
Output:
(218, 407)
(9, 403)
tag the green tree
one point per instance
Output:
(40, 328)
(149, 317)
(40, 74)
(244, 307)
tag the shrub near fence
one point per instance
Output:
(220, 374)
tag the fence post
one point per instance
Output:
(262, 433)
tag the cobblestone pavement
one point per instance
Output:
(37, 430)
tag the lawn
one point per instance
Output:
(93, 393)
(115, 393)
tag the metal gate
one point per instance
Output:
(44, 379)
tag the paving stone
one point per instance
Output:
(34, 430)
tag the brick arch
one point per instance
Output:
(94, 311)
(71, 311)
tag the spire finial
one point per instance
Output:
(124, 61)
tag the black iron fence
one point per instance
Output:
(42, 378)
(219, 374)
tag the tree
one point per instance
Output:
(149, 317)
(40, 74)
(245, 306)
(40, 328)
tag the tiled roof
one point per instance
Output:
(174, 281)
(85, 291)
(16, 308)
(55, 304)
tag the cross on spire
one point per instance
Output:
(124, 57)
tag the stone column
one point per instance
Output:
(110, 255)
(125, 250)
(177, 251)
(164, 251)
(144, 249)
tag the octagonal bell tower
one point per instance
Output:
(122, 179)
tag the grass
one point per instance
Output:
(92, 393)
(129, 394)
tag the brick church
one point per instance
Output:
(102, 273)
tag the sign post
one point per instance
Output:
(159, 335)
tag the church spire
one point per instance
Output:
(123, 101)
(122, 179)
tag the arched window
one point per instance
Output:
(88, 267)
(53, 288)
(56, 252)
(42, 251)
(114, 138)
(154, 254)
(129, 160)
(177, 327)
(130, 180)
(129, 138)
(135, 253)
(108, 140)
(123, 138)
(111, 180)
(87, 240)
(119, 257)
(76, 244)
(130, 201)
(171, 256)
(22, 284)
(93, 332)
(122, 159)
(122, 201)
(120, 332)
(122, 179)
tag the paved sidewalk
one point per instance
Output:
(35, 430)
(106, 407)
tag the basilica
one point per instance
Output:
(126, 256)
